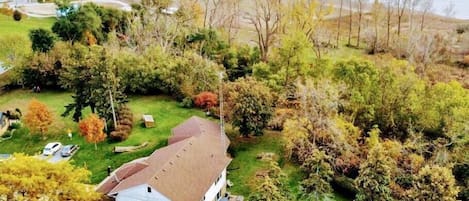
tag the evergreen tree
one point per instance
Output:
(42, 40)
(319, 173)
(91, 75)
(435, 183)
(374, 178)
(271, 187)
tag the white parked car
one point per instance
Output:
(51, 148)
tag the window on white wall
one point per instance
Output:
(218, 179)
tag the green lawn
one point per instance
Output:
(12, 27)
(166, 112)
(14, 34)
(243, 168)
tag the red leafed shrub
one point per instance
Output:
(206, 100)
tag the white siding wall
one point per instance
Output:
(215, 188)
(140, 193)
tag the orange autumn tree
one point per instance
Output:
(92, 129)
(38, 118)
(206, 100)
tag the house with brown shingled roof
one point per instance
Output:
(191, 168)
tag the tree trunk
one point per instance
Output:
(350, 23)
(400, 13)
(338, 23)
(423, 20)
(206, 12)
(376, 15)
(360, 13)
(95, 146)
(388, 34)
(399, 26)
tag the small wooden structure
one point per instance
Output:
(148, 121)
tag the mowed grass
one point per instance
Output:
(166, 113)
(245, 165)
(22, 27)
(14, 34)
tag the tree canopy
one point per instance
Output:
(42, 40)
(29, 178)
(250, 104)
(38, 118)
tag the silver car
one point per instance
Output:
(68, 150)
(51, 148)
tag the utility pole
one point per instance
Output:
(222, 119)
(113, 112)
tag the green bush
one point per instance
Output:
(17, 15)
(7, 134)
(462, 28)
(344, 185)
(405, 181)
(187, 102)
(15, 126)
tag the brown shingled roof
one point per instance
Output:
(196, 126)
(121, 173)
(183, 170)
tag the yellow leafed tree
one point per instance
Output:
(29, 178)
(38, 118)
(92, 129)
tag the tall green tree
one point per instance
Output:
(42, 40)
(319, 173)
(250, 105)
(435, 183)
(271, 185)
(267, 191)
(374, 178)
(293, 57)
(445, 112)
(88, 24)
(361, 78)
(399, 99)
(92, 76)
(238, 61)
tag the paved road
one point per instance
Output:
(34, 9)
(57, 157)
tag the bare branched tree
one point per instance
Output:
(449, 10)
(389, 13)
(149, 25)
(413, 5)
(429, 49)
(425, 7)
(266, 19)
(223, 15)
(401, 6)
(350, 8)
(360, 16)
(339, 20)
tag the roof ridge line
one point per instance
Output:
(187, 142)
